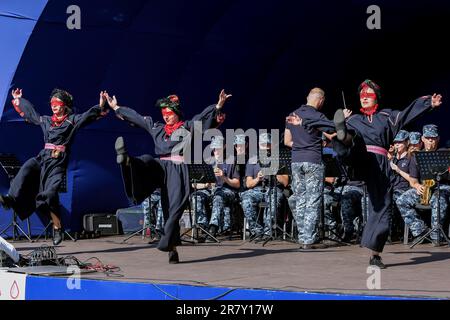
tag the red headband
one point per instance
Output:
(56, 102)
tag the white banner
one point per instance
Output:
(12, 286)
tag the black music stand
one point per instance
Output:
(284, 162)
(433, 165)
(11, 166)
(199, 173)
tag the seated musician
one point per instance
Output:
(407, 202)
(261, 190)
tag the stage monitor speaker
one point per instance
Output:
(105, 224)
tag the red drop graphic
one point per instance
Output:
(14, 291)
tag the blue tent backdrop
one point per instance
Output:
(268, 54)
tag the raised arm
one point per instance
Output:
(92, 114)
(208, 115)
(24, 108)
(130, 115)
(399, 119)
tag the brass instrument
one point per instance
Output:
(426, 196)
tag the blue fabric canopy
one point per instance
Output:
(268, 54)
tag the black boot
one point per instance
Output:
(339, 123)
(122, 156)
(57, 236)
(6, 202)
(213, 232)
(173, 257)
(376, 261)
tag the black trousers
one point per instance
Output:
(143, 175)
(36, 185)
(374, 170)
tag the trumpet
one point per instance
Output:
(426, 196)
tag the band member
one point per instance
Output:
(226, 187)
(259, 189)
(400, 164)
(36, 185)
(307, 168)
(415, 142)
(407, 201)
(373, 130)
(142, 175)
(241, 158)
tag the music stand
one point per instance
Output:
(284, 162)
(199, 173)
(11, 166)
(432, 165)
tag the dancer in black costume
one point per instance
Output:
(35, 187)
(142, 175)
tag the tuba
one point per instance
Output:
(426, 196)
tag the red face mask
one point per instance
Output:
(367, 95)
(56, 102)
(167, 112)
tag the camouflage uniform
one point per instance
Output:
(223, 194)
(250, 200)
(221, 208)
(307, 185)
(330, 195)
(351, 202)
(153, 214)
(200, 203)
(406, 205)
(352, 206)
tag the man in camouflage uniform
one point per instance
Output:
(224, 193)
(307, 168)
(260, 191)
(406, 203)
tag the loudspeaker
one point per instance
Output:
(104, 223)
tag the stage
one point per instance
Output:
(241, 270)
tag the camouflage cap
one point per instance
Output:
(430, 131)
(401, 136)
(414, 137)
(265, 138)
(216, 142)
(239, 139)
